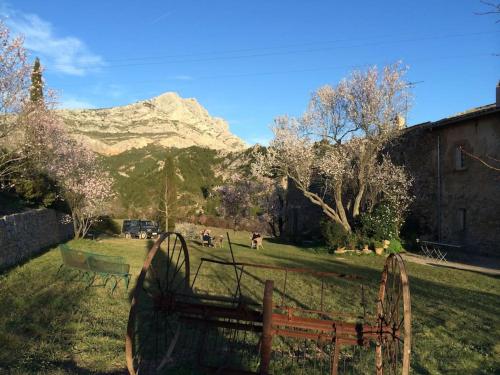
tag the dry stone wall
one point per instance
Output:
(25, 234)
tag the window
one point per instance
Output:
(462, 219)
(459, 159)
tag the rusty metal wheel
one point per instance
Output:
(394, 319)
(153, 329)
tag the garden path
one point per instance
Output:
(460, 266)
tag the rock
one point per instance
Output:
(166, 120)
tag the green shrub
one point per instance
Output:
(380, 224)
(106, 225)
(352, 241)
(376, 244)
(410, 231)
(36, 188)
(189, 231)
(334, 234)
(361, 240)
(395, 246)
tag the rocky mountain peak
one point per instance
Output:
(166, 120)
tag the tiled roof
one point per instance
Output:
(461, 116)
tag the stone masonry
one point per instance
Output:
(25, 234)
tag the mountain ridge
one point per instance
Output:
(166, 120)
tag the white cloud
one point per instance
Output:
(65, 54)
(74, 103)
(115, 91)
(161, 17)
(183, 77)
(111, 90)
(263, 141)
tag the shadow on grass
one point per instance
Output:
(147, 247)
(300, 245)
(45, 321)
(163, 339)
(229, 284)
(27, 258)
(39, 318)
(72, 368)
(241, 245)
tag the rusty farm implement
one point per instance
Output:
(176, 327)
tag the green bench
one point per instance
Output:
(92, 266)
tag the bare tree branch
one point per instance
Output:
(480, 159)
(494, 9)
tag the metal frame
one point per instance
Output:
(90, 269)
(389, 330)
(434, 250)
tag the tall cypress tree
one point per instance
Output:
(169, 194)
(36, 90)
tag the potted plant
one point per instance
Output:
(366, 249)
(379, 247)
(340, 250)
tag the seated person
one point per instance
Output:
(207, 238)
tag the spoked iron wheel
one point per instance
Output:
(394, 319)
(153, 330)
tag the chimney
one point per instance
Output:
(498, 94)
(400, 122)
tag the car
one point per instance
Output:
(140, 229)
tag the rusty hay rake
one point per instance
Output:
(174, 328)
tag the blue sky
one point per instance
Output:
(250, 61)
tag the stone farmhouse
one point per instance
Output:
(457, 193)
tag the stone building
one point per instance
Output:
(457, 197)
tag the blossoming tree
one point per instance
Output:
(333, 154)
(42, 142)
(85, 187)
(14, 84)
(236, 198)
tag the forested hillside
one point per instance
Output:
(139, 177)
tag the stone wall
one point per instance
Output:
(302, 218)
(25, 234)
(416, 150)
(455, 205)
(474, 189)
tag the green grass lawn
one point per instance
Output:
(51, 325)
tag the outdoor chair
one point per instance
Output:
(436, 250)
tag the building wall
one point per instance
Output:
(444, 192)
(302, 218)
(25, 234)
(416, 149)
(473, 190)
